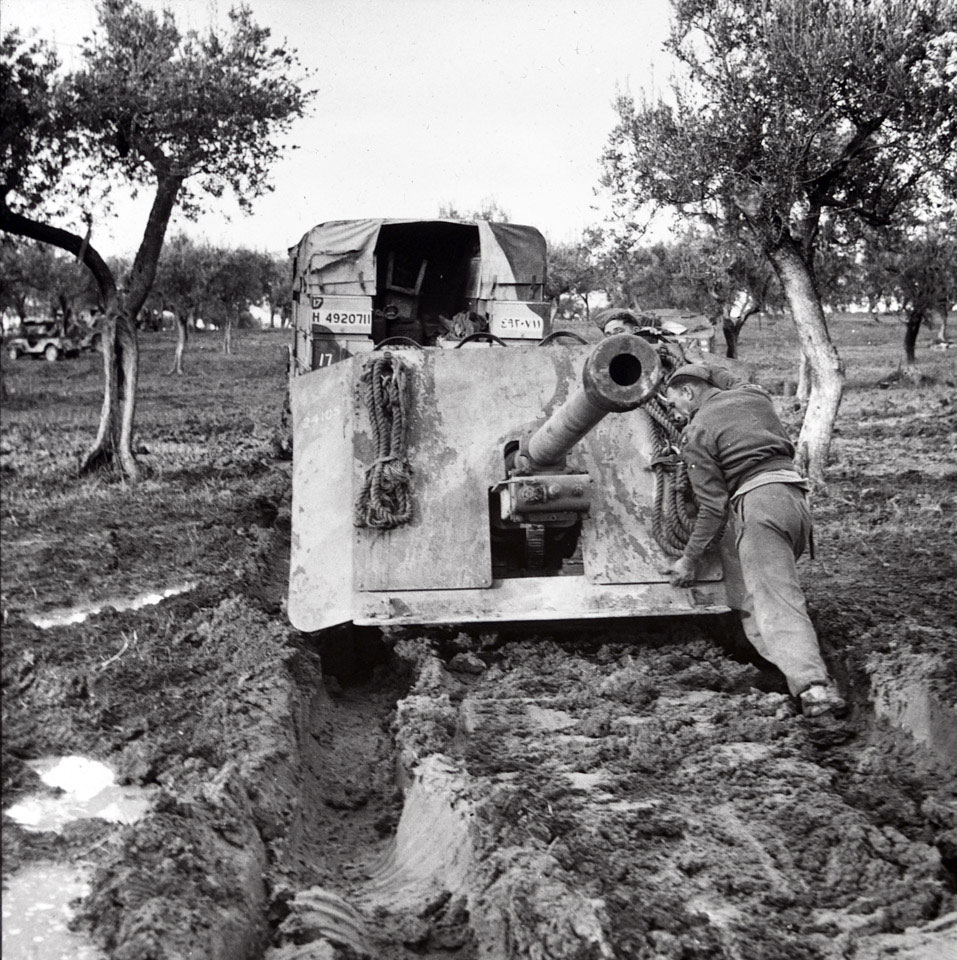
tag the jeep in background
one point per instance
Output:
(42, 339)
(90, 339)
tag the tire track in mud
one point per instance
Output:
(360, 889)
(646, 797)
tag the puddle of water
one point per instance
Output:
(67, 615)
(36, 912)
(89, 790)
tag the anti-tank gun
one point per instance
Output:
(542, 496)
(444, 481)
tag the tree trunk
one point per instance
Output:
(803, 391)
(737, 326)
(113, 445)
(915, 319)
(228, 336)
(114, 438)
(827, 368)
(182, 336)
(730, 332)
(113, 442)
(942, 315)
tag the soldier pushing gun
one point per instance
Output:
(740, 460)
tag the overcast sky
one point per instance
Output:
(420, 103)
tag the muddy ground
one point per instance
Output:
(641, 789)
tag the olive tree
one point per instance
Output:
(186, 117)
(738, 283)
(277, 279)
(182, 280)
(696, 270)
(783, 112)
(706, 272)
(39, 139)
(32, 273)
(238, 279)
(920, 270)
(572, 271)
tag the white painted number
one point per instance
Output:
(349, 319)
(520, 323)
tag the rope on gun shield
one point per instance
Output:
(385, 500)
(674, 507)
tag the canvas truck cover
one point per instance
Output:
(340, 255)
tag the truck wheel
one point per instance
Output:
(13, 353)
(51, 353)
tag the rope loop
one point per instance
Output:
(385, 499)
(674, 507)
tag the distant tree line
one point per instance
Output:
(201, 281)
(37, 281)
(911, 271)
(194, 281)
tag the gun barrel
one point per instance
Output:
(620, 374)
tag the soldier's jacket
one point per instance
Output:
(733, 436)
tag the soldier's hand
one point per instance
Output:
(683, 572)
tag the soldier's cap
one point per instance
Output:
(604, 317)
(696, 371)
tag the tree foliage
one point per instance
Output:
(34, 275)
(200, 108)
(277, 281)
(696, 270)
(574, 274)
(39, 146)
(786, 113)
(186, 116)
(192, 277)
(199, 280)
(37, 131)
(918, 269)
(792, 107)
(488, 209)
(182, 277)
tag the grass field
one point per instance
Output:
(203, 440)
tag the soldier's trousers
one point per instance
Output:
(770, 530)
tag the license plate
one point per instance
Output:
(529, 325)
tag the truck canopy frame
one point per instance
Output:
(341, 255)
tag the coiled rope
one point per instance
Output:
(385, 500)
(674, 508)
